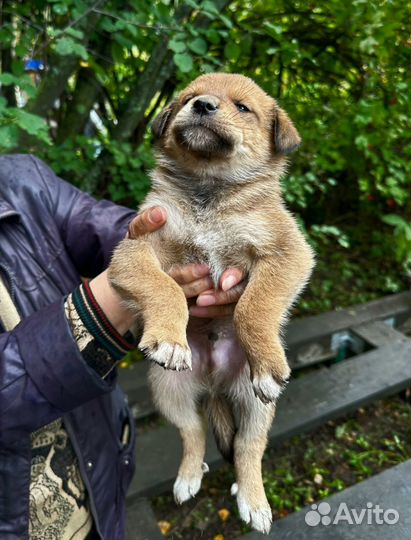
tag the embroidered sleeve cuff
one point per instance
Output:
(98, 325)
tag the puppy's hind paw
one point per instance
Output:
(184, 489)
(260, 518)
(168, 355)
(266, 388)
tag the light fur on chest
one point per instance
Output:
(206, 235)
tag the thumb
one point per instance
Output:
(148, 221)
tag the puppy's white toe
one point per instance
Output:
(184, 489)
(170, 355)
(205, 468)
(234, 489)
(266, 388)
(260, 518)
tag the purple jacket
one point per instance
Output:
(51, 234)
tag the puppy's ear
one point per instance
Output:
(286, 136)
(160, 123)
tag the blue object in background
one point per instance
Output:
(34, 65)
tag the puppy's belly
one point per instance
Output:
(217, 355)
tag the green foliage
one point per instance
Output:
(340, 69)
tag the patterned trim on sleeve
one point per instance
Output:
(99, 343)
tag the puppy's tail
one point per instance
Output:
(222, 421)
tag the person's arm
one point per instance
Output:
(90, 229)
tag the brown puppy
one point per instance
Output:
(221, 152)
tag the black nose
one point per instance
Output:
(201, 106)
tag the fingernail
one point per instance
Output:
(156, 215)
(206, 300)
(228, 282)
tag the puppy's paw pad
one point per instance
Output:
(169, 355)
(184, 489)
(234, 489)
(266, 388)
(259, 517)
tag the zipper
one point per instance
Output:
(67, 425)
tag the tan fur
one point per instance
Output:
(218, 178)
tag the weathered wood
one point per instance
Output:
(389, 489)
(309, 329)
(141, 522)
(307, 402)
(377, 333)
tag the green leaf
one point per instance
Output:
(73, 32)
(226, 21)
(209, 7)
(394, 220)
(213, 36)
(8, 138)
(272, 30)
(66, 46)
(177, 46)
(192, 4)
(232, 51)
(184, 62)
(198, 46)
(60, 9)
(7, 79)
(33, 124)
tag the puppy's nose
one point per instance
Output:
(204, 106)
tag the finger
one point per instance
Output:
(220, 298)
(230, 278)
(148, 221)
(189, 273)
(212, 312)
(197, 287)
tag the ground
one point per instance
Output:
(302, 470)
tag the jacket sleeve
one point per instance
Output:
(44, 376)
(90, 229)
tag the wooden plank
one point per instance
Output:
(390, 489)
(141, 523)
(313, 328)
(308, 402)
(308, 342)
(377, 333)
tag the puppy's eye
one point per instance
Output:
(242, 108)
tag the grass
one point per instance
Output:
(303, 470)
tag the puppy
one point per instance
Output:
(222, 147)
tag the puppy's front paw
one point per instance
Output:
(258, 516)
(269, 380)
(168, 355)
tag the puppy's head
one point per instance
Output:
(224, 125)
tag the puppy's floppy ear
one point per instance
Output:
(286, 136)
(160, 123)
